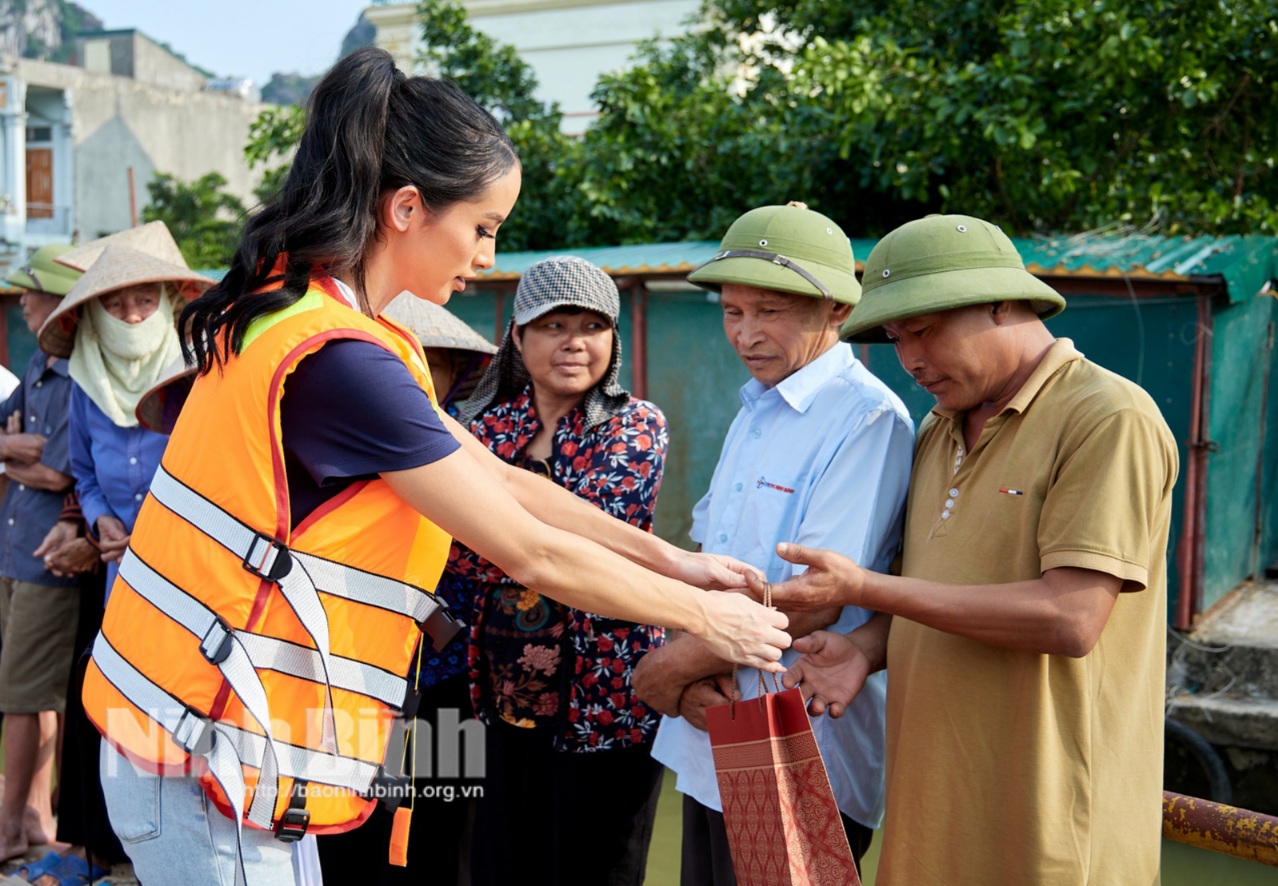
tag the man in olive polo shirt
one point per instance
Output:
(1026, 651)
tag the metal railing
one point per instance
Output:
(1244, 834)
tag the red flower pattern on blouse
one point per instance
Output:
(617, 467)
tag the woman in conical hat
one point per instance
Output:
(457, 354)
(117, 326)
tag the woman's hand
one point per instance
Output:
(714, 572)
(112, 538)
(740, 630)
(830, 672)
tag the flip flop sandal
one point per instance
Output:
(74, 871)
(34, 869)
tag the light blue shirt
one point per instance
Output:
(821, 459)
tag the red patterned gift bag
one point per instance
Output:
(783, 825)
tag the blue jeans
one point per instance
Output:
(172, 834)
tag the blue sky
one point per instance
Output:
(240, 38)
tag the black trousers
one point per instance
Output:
(440, 830)
(82, 814)
(706, 858)
(562, 819)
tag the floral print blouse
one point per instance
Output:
(535, 662)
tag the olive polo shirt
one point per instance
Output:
(1033, 768)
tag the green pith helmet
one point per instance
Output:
(785, 248)
(939, 263)
(43, 274)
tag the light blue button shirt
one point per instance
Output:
(821, 459)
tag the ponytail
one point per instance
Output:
(369, 129)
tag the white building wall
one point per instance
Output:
(117, 124)
(568, 43)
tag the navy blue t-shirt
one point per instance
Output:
(351, 411)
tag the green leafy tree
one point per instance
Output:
(683, 144)
(1043, 114)
(205, 220)
(272, 137)
(495, 76)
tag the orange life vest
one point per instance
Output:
(272, 658)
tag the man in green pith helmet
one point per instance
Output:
(1026, 652)
(818, 455)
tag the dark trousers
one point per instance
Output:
(440, 830)
(706, 858)
(562, 819)
(82, 814)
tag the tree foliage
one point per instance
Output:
(496, 77)
(1043, 115)
(205, 220)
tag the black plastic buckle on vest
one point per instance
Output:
(216, 649)
(441, 627)
(296, 818)
(412, 701)
(392, 790)
(267, 558)
(194, 733)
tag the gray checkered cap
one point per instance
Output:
(561, 281)
(552, 283)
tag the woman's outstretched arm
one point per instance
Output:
(552, 504)
(462, 498)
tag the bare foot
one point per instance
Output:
(39, 828)
(14, 846)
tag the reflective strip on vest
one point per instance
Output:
(219, 645)
(186, 727)
(227, 749)
(267, 653)
(335, 579)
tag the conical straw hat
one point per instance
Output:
(116, 268)
(435, 325)
(159, 407)
(152, 237)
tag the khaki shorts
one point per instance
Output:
(39, 626)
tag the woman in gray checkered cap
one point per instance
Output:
(571, 788)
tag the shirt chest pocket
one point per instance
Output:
(771, 512)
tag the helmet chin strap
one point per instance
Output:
(777, 259)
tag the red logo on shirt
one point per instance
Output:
(763, 482)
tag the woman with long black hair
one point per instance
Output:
(253, 648)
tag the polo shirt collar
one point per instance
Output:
(1057, 356)
(1061, 353)
(801, 387)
